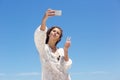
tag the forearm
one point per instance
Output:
(66, 47)
(43, 24)
(66, 57)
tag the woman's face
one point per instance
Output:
(55, 34)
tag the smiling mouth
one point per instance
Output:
(54, 35)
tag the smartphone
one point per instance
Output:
(58, 12)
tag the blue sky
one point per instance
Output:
(94, 26)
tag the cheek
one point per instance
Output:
(51, 33)
(59, 36)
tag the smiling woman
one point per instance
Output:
(55, 61)
(58, 32)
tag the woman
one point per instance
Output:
(55, 61)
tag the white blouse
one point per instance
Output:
(54, 67)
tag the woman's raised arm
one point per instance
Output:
(47, 14)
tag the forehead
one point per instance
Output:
(57, 29)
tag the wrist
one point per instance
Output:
(65, 48)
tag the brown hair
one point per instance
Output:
(48, 32)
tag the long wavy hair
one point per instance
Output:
(48, 32)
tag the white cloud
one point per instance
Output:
(72, 73)
(89, 73)
(28, 74)
(99, 72)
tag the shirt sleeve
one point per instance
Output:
(39, 39)
(66, 64)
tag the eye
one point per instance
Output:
(54, 30)
(58, 33)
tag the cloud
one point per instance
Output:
(21, 74)
(99, 72)
(72, 73)
(28, 74)
(89, 73)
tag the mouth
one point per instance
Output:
(54, 35)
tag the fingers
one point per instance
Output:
(68, 38)
(68, 42)
(50, 12)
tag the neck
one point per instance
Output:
(52, 46)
